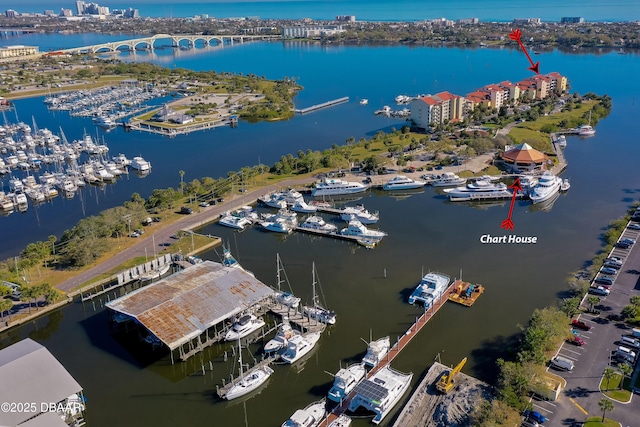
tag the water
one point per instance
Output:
(425, 232)
(367, 10)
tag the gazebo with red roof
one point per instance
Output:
(524, 157)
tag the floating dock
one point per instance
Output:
(305, 323)
(323, 105)
(465, 293)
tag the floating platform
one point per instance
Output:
(465, 293)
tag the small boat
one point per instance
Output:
(284, 334)
(376, 351)
(140, 164)
(401, 182)
(448, 179)
(364, 101)
(358, 230)
(346, 380)
(430, 289)
(300, 345)
(250, 381)
(342, 421)
(302, 207)
(310, 416)
(243, 327)
(316, 223)
(381, 392)
(562, 141)
(278, 226)
(565, 186)
(359, 213)
(586, 130)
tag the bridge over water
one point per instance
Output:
(177, 41)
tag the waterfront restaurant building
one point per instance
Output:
(523, 157)
(186, 311)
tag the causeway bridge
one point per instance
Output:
(177, 41)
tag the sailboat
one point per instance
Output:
(318, 312)
(250, 381)
(587, 130)
(284, 298)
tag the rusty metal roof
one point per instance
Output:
(182, 306)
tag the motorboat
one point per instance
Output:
(140, 164)
(274, 200)
(364, 101)
(104, 121)
(284, 334)
(279, 226)
(316, 223)
(343, 420)
(430, 289)
(243, 327)
(359, 213)
(562, 141)
(548, 185)
(565, 186)
(481, 189)
(346, 380)
(300, 345)
(335, 187)
(302, 207)
(381, 392)
(310, 416)
(357, 229)
(376, 351)
(121, 160)
(284, 214)
(448, 179)
(234, 222)
(6, 203)
(401, 182)
(249, 381)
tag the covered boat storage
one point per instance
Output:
(183, 311)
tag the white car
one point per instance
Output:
(600, 290)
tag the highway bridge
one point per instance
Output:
(177, 41)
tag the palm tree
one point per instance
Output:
(606, 406)
(626, 370)
(181, 172)
(592, 301)
(608, 374)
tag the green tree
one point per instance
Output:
(592, 300)
(181, 173)
(605, 405)
(626, 370)
(608, 374)
(5, 305)
(629, 311)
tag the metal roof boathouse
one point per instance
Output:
(181, 310)
(32, 376)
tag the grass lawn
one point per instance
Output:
(540, 141)
(597, 422)
(613, 392)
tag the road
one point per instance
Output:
(582, 392)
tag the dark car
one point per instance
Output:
(628, 240)
(186, 210)
(623, 245)
(602, 280)
(536, 416)
(612, 264)
(580, 325)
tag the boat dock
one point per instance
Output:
(306, 323)
(400, 344)
(323, 105)
(177, 130)
(335, 235)
(465, 293)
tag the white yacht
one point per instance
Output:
(6, 203)
(357, 229)
(335, 187)
(316, 223)
(376, 351)
(482, 189)
(310, 416)
(121, 160)
(104, 121)
(234, 222)
(284, 334)
(279, 226)
(401, 182)
(300, 345)
(285, 215)
(562, 141)
(274, 200)
(359, 213)
(586, 130)
(250, 381)
(381, 392)
(548, 185)
(342, 421)
(448, 179)
(243, 327)
(302, 207)
(140, 164)
(345, 380)
(430, 289)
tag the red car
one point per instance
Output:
(580, 325)
(576, 341)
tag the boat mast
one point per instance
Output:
(240, 358)
(278, 278)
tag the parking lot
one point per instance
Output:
(579, 400)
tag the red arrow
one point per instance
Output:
(516, 35)
(507, 224)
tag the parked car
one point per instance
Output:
(536, 416)
(623, 245)
(628, 240)
(634, 227)
(528, 422)
(575, 340)
(612, 264)
(603, 280)
(185, 210)
(562, 363)
(600, 290)
(580, 325)
(609, 270)
(615, 258)
(204, 204)
(134, 234)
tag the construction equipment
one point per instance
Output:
(446, 382)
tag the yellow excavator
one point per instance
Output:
(445, 384)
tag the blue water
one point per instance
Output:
(368, 10)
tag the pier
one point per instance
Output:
(305, 323)
(400, 344)
(323, 105)
(179, 130)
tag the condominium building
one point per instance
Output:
(436, 109)
(17, 51)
